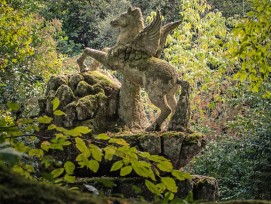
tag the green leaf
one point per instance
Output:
(69, 167)
(157, 158)
(36, 128)
(152, 187)
(59, 113)
(52, 127)
(126, 170)
(136, 168)
(102, 137)
(81, 146)
(161, 187)
(45, 145)
(181, 175)
(57, 172)
(109, 152)
(93, 165)
(25, 120)
(13, 106)
(69, 179)
(96, 152)
(55, 103)
(28, 128)
(82, 129)
(118, 141)
(170, 184)
(78, 131)
(169, 195)
(117, 165)
(36, 152)
(165, 166)
(45, 119)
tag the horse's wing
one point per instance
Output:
(165, 30)
(148, 39)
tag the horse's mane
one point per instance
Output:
(135, 26)
(138, 18)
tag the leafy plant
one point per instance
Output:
(25, 155)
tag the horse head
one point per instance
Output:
(133, 17)
(130, 24)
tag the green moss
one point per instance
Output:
(87, 101)
(172, 134)
(193, 138)
(94, 77)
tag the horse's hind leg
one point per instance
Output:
(171, 99)
(161, 102)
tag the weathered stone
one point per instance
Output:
(135, 56)
(154, 143)
(55, 82)
(71, 115)
(172, 145)
(86, 107)
(150, 143)
(181, 117)
(73, 80)
(83, 89)
(131, 107)
(192, 145)
(65, 95)
(91, 99)
(204, 188)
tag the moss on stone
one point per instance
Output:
(193, 138)
(95, 77)
(172, 134)
(83, 89)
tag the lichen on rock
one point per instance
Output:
(89, 96)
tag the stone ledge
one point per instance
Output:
(203, 188)
(178, 147)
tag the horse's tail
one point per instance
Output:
(184, 85)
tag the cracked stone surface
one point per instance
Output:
(89, 98)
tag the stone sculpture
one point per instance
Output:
(136, 54)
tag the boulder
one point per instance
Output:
(89, 98)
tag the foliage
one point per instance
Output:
(85, 23)
(230, 8)
(253, 47)
(20, 151)
(15, 40)
(240, 160)
(29, 54)
(197, 49)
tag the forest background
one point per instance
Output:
(221, 47)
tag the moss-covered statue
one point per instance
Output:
(136, 55)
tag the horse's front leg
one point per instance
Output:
(80, 62)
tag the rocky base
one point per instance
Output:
(178, 147)
(90, 99)
(202, 188)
